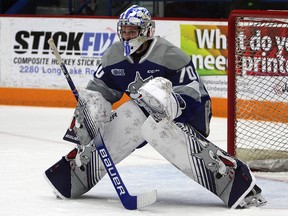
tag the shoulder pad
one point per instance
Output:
(113, 54)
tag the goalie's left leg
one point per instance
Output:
(227, 177)
(82, 168)
(69, 180)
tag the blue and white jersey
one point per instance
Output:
(120, 74)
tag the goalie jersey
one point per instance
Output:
(118, 74)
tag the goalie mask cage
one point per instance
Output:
(258, 88)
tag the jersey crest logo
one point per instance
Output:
(134, 86)
(118, 72)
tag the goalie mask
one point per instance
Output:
(140, 17)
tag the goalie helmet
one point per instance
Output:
(140, 17)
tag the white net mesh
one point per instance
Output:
(261, 91)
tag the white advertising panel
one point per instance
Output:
(27, 62)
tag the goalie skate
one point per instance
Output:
(76, 173)
(253, 198)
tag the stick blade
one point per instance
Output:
(146, 199)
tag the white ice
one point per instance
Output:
(31, 141)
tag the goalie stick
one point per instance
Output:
(128, 201)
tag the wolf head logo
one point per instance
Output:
(134, 86)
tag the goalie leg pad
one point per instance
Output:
(122, 135)
(82, 168)
(184, 147)
(70, 181)
(59, 177)
(97, 107)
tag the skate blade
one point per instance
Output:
(255, 200)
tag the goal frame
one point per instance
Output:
(231, 115)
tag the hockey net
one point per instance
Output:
(258, 88)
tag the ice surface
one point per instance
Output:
(31, 141)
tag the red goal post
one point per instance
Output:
(258, 88)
